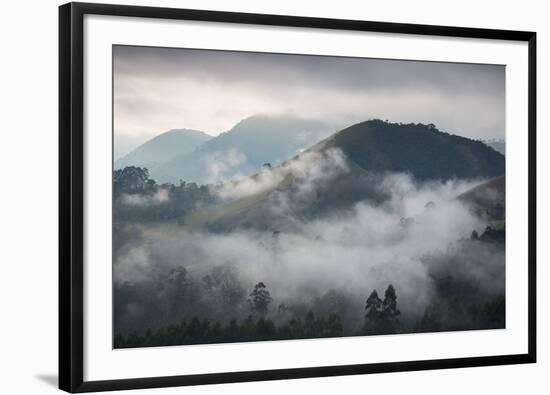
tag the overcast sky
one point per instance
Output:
(157, 89)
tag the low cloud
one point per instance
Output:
(306, 171)
(222, 165)
(140, 200)
(417, 233)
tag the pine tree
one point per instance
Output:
(381, 316)
(260, 298)
(373, 305)
(390, 302)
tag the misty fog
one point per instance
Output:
(410, 235)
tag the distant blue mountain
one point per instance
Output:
(253, 142)
(163, 148)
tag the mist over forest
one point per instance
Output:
(323, 244)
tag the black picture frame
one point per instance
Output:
(71, 197)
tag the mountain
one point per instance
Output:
(342, 170)
(497, 144)
(417, 149)
(162, 148)
(244, 149)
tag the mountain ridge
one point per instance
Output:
(370, 149)
(163, 147)
(421, 150)
(244, 148)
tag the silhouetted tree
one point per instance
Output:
(390, 302)
(260, 298)
(373, 305)
(381, 316)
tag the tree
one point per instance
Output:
(381, 316)
(310, 325)
(131, 179)
(265, 329)
(390, 302)
(260, 298)
(373, 305)
(179, 289)
(334, 325)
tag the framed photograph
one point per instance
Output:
(253, 197)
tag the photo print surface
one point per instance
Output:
(264, 197)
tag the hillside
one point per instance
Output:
(487, 199)
(417, 149)
(162, 148)
(244, 149)
(344, 169)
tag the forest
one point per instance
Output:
(179, 304)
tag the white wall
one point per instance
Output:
(28, 223)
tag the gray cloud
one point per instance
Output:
(157, 89)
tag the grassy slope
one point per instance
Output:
(202, 218)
